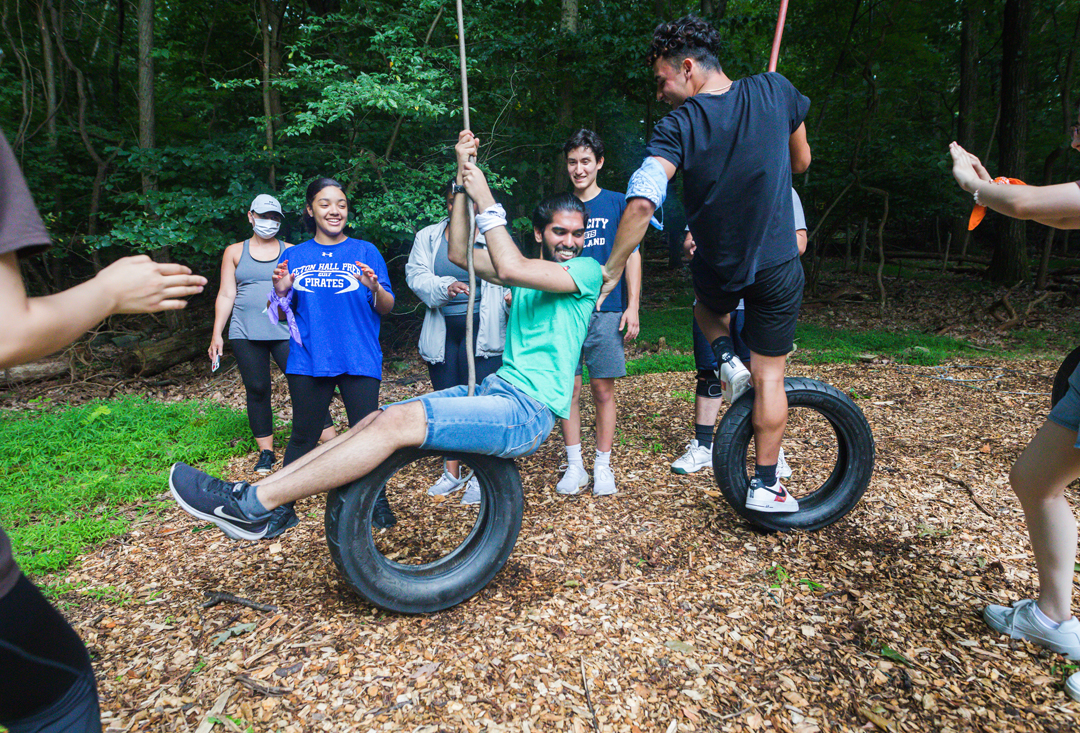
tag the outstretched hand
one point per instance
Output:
(141, 285)
(467, 148)
(967, 169)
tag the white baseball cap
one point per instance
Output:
(264, 203)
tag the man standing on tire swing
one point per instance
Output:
(737, 143)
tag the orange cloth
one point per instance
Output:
(979, 211)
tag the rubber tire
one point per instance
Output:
(1061, 380)
(437, 585)
(841, 490)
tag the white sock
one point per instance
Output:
(602, 459)
(1043, 619)
(573, 455)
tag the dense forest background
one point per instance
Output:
(149, 125)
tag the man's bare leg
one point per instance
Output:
(770, 405)
(350, 456)
(714, 325)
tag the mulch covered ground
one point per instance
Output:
(658, 609)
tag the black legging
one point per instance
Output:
(310, 399)
(253, 362)
(46, 682)
(454, 369)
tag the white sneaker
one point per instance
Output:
(1072, 686)
(472, 492)
(603, 481)
(775, 498)
(734, 379)
(1019, 622)
(693, 460)
(783, 470)
(574, 480)
(446, 484)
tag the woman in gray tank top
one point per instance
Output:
(246, 269)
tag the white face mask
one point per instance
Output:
(266, 228)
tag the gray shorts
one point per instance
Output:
(603, 350)
(1066, 412)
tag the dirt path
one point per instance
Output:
(657, 609)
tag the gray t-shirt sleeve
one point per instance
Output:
(800, 218)
(21, 227)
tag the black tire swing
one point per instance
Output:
(842, 487)
(466, 569)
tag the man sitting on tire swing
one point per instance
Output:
(513, 410)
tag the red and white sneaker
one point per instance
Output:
(775, 498)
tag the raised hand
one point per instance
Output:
(368, 279)
(282, 277)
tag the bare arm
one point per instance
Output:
(503, 257)
(800, 241)
(226, 297)
(1055, 206)
(34, 327)
(800, 150)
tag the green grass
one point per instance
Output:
(66, 475)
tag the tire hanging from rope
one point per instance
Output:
(470, 347)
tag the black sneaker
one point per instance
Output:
(382, 516)
(203, 496)
(281, 519)
(265, 463)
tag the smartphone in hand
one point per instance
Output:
(215, 364)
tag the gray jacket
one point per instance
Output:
(431, 289)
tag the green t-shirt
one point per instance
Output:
(544, 337)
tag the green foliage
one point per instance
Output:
(68, 476)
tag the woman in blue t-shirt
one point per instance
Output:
(333, 290)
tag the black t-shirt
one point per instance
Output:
(21, 230)
(733, 151)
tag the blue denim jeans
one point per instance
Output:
(499, 420)
(1066, 412)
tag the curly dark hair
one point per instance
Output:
(584, 138)
(687, 37)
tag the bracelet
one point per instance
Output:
(493, 216)
(976, 197)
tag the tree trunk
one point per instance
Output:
(48, 65)
(264, 28)
(568, 27)
(146, 360)
(24, 77)
(966, 113)
(1010, 260)
(146, 90)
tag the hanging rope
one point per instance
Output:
(469, 346)
(774, 56)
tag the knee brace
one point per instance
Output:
(708, 385)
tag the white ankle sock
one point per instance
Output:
(602, 459)
(1043, 619)
(573, 455)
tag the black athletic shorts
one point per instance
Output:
(772, 303)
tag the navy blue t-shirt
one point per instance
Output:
(335, 313)
(736, 163)
(605, 210)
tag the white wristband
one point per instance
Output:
(491, 217)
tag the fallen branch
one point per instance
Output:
(1020, 320)
(588, 697)
(216, 597)
(259, 687)
(964, 484)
